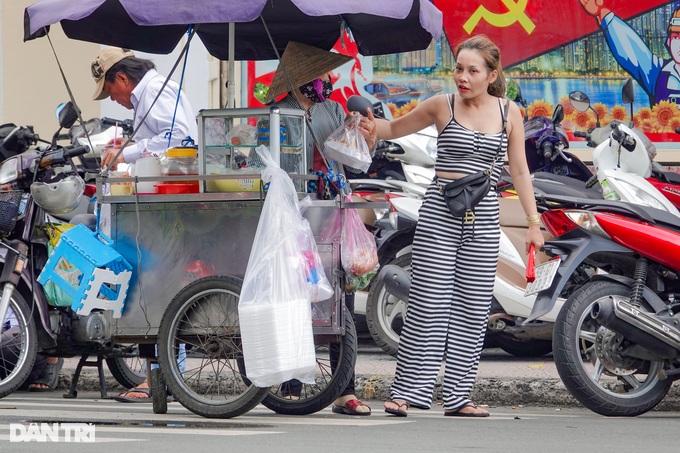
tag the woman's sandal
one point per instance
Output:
(474, 412)
(351, 408)
(399, 412)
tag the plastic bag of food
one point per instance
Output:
(359, 254)
(242, 134)
(274, 308)
(348, 146)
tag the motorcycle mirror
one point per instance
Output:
(628, 96)
(628, 92)
(579, 100)
(67, 114)
(359, 104)
(558, 114)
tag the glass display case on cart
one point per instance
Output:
(228, 138)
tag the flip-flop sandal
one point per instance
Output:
(399, 412)
(126, 399)
(50, 377)
(458, 413)
(350, 408)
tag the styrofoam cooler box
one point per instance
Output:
(278, 342)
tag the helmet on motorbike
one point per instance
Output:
(59, 197)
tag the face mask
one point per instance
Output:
(317, 90)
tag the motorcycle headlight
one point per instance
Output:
(9, 171)
(639, 196)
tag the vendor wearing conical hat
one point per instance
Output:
(304, 73)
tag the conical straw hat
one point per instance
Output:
(300, 64)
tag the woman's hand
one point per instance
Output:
(535, 237)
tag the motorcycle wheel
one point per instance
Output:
(328, 386)
(17, 353)
(517, 348)
(204, 316)
(385, 313)
(128, 371)
(603, 381)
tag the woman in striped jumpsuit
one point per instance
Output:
(454, 262)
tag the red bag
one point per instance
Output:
(531, 264)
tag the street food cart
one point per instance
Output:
(189, 252)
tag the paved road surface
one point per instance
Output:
(133, 427)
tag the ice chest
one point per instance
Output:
(98, 276)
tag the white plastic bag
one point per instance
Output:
(348, 146)
(274, 307)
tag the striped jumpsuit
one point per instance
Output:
(452, 277)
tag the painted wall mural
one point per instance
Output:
(549, 48)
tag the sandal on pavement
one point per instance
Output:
(350, 408)
(50, 377)
(399, 412)
(473, 411)
(123, 398)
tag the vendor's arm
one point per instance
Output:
(434, 110)
(152, 136)
(521, 178)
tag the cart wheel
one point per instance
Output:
(328, 386)
(159, 395)
(204, 317)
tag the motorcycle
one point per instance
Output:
(616, 343)
(616, 339)
(40, 185)
(625, 171)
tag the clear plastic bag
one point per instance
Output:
(274, 308)
(348, 146)
(318, 286)
(359, 252)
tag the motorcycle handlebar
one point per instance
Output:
(125, 124)
(626, 140)
(581, 134)
(76, 151)
(547, 149)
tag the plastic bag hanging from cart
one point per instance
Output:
(274, 308)
(359, 252)
(318, 286)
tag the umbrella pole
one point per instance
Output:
(231, 95)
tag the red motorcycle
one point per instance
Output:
(616, 340)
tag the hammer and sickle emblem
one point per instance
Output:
(516, 13)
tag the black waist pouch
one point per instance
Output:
(462, 195)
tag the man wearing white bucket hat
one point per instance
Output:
(304, 73)
(134, 83)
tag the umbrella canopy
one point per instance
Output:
(156, 26)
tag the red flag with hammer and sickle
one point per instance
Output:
(524, 29)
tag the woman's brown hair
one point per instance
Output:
(492, 57)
